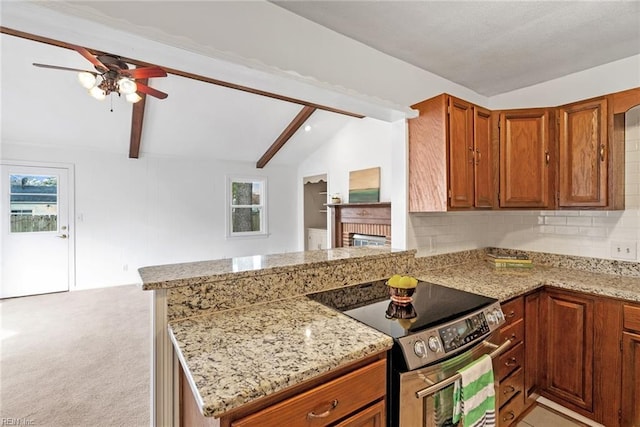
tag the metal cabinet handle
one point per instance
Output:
(511, 362)
(325, 413)
(546, 157)
(511, 314)
(511, 416)
(509, 389)
(498, 350)
(478, 157)
(602, 152)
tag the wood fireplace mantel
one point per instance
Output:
(362, 218)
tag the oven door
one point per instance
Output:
(426, 394)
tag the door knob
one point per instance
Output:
(62, 236)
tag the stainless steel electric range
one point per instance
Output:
(440, 331)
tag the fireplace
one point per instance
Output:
(372, 221)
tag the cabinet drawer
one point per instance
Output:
(510, 361)
(511, 386)
(513, 310)
(374, 416)
(513, 332)
(632, 317)
(510, 412)
(324, 404)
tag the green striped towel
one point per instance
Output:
(474, 395)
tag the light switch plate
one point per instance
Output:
(624, 250)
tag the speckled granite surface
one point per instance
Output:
(237, 356)
(241, 291)
(593, 265)
(202, 272)
(482, 278)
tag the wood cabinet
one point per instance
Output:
(450, 156)
(580, 363)
(526, 159)
(569, 349)
(583, 154)
(630, 413)
(532, 337)
(510, 366)
(325, 400)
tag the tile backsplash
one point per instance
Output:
(580, 232)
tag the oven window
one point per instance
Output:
(441, 411)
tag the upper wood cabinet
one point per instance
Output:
(583, 154)
(526, 159)
(450, 158)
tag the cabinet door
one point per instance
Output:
(460, 153)
(630, 379)
(483, 173)
(524, 159)
(569, 349)
(583, 154)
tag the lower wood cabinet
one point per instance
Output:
(630, 415)
(509, 368)
(327, 403)
(591, 355)
(569, 349)
(348, 397)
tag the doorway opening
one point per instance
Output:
(315, 212)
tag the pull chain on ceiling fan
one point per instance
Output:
(113, 75)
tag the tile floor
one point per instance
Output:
(541, 416)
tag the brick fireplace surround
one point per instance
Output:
(361, 218)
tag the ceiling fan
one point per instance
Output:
(113, 75)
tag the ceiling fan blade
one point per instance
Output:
(56, 67)
(89, 57)
(151, 91)
(144, 72)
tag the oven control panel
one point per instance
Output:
(430, 345)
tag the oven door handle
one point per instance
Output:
(453, 378)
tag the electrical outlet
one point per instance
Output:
(624, 250)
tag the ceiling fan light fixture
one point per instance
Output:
(86, 79)
(127, 86)
(97, 93)
(133, 97)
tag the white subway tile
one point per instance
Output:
(593, 232)
(581, 220)
(567, 230)
(557, 220)
(604, 221)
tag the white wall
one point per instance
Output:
(608, 78)
(131, 213)
(360, 144)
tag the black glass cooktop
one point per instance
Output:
(432, 305)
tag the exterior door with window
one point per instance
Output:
(35, 231)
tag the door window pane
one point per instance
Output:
(33, 203)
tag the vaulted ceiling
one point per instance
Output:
(485, 47)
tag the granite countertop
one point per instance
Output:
(503, 284)
(222, 353)
(196, 273)
(236, 356)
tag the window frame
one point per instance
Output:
(231, 179)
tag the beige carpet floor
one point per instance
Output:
(76, 358)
